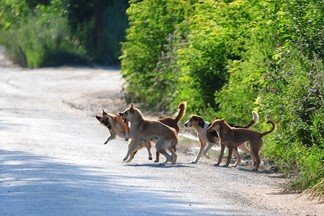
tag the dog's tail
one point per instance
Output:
(254, 121)
(181, 112)
(272, 129)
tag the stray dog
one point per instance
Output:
(233, 137)
(173, 122)
(117, 126)
(143, 130)
(211, 137)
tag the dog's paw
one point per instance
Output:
(225, 165)
(105, 142)
(156, 161)
(150, 158)
(193, 162)
(216, 164)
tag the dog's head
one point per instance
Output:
(216, 125)
(131, 114)
(104, 119)
(195, 121)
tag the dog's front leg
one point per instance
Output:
(111, 137)
(207, 149)
(230, 151)
(131, 157)
(202, 147)
(133, 145)
(148, 147)
(221, 154)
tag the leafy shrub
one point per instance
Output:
(227, 58)
(37, 41)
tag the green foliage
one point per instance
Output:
(151, 23)
(226, 58)
(42, 39)
(56, 32)
(99, 26)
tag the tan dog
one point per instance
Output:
(173, 122)
(143, 130)
(233, 137)
(208, 139)
(116, 126)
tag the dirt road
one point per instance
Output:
(53, 161)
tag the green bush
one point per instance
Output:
(43, 39)
(226, 58)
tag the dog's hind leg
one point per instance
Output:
(244, 148)
(237, 156)
(207, 149)
(255, 151)
(160, 148)
(157, 157)
(174, 156)
(168, 158)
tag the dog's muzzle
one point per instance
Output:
(108, 125)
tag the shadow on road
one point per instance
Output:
(37, 185)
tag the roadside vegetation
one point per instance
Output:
(227, 58)
(41, 33)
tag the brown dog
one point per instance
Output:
(173, 122)
(115, 125)
(143, 130)
(208, 139)
(233, 137)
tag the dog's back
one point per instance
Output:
(240, 135)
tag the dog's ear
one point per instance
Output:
(99, 118)
(201, 122)
(103, 112)
(131, 109)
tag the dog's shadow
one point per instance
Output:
(253, 171)
(157, 165)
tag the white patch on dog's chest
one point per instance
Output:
(201, 132)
